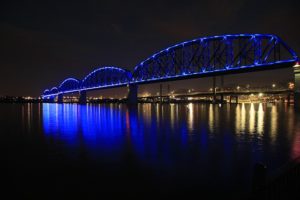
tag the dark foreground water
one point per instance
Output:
(66, 151)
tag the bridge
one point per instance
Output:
(182, 97)
(202, 57)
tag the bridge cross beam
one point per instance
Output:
(257, 50)
(229, 53)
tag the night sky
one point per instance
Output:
(44, 42)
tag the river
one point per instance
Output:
(71, 150)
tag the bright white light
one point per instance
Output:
(297, 64)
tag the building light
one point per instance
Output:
(291, 85)
(297, 64)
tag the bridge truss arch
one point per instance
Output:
(54, 90)
(46, 92)
(106, 77)
(214, 54)
(69, 85)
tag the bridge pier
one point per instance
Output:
(60, 98)
(288, 98)
(222, 98)
(132, 94)
(214, 90)
(236, 99)
(82, 97)
(52, 99)
(160, 92)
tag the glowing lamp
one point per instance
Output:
(297, 64)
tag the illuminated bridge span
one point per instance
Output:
(207, 56)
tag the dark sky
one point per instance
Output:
(44, 42)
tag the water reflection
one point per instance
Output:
(273, 124)
(190, 110)
(211, 118)
(260, 119)
(65, 120)
(110, 121)
(240, 122)
(187, 140)
(252, 119)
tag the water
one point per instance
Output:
(70, 150)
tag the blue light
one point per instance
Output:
(54, 88)
(69, 80)
(140, 68)
(46, 91)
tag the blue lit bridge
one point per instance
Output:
(202, 57)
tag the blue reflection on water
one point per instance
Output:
(88, 126)
(186, 141)
(61, 120)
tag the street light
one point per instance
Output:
(238, 87)
(273, 85)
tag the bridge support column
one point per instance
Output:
(214, 89)
(60, 98)
(297, 87)
(288, 98)
(160, 92)
(82, 97)
(234, 97)
(222, 98)
(132, 94)
(222, 89)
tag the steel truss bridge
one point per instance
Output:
(202, 57)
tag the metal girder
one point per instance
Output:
(205, 56)
(212, 54)
(105, 77)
